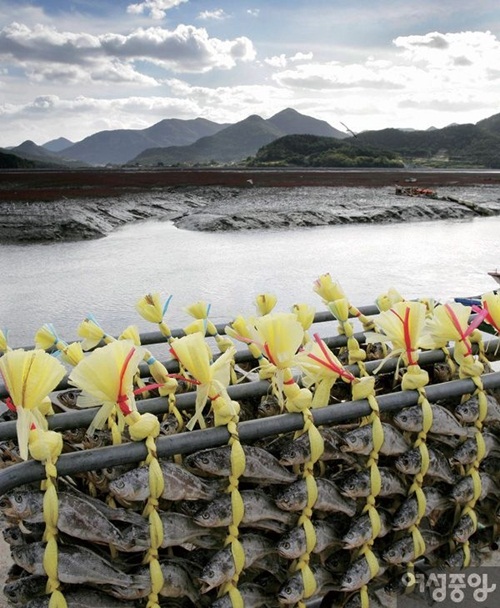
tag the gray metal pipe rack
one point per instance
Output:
(188, 442)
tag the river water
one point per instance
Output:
(62, 282)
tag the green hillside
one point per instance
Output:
(11, 161)
(454, 146)
(317, 151)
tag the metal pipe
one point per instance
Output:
(185, 401)
(172, 365)
(183, 443)
(156, 337)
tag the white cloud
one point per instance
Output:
(50, 116)
(45, 52)
(333, 75)
(156, 9)
(217, 14)
(480, 50)
(278, 61)
(281, 61)
(301, 57)
(253, 12)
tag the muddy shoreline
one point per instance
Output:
(45, 185)
(87, 204)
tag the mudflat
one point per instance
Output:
(47, 184)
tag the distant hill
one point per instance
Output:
(290, 121)
(455, 146)
(44, 158)
(57, 145)
(317, 151)
(238, 141)
(11, 161)
(121, 145)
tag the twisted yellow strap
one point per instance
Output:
(146, 427)
(46, 446)
(226, 413)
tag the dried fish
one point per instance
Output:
(360, 440)
(294, 498)
(260, 466)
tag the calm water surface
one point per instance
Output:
(62, 282)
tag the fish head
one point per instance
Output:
(289, 546)
(466, 412)
(351, 538)
(465, 453)
(170, 425)
(217, 571)
(353, 441)
(292, 496)
(291, 455)
(69, 397)
(268, 406)
(351, 580)
(23, 504)
(127, 486)
(409, 462)
(216, 513)
(409, 418)
(13, 535)
(211, 460)
(393, 554)
(355, 485)
(292, 590)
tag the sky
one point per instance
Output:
(72, 68)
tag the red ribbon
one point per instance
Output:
(330, 363)
(406, 330)
(488, 318)
(122, 400)
(472, 326)
(10, 404)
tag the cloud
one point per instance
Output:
(49, 116)
(45, 52)
(277, 61)
(281, 61)
(156, 9)
(479, 50)
(217, 15)
(253, 12)
(333, 75)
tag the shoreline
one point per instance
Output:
(49, 184)
(48, 206)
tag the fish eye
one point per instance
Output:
(210, 574)
(205, 515)
(403, 418)
(348, 580)
(285, 545)
(204, 460)
(119, 484)
(18, 498)
(351, 486)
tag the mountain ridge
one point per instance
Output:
(202, 142)
(237, 141)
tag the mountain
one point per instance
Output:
(57, 145)
(238, 141)
(319, 151)
(233, 143)
(11, 161)
(290, 122)
(464, 145)
(30, 151)
(121, 145)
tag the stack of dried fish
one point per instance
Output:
(104, 538)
